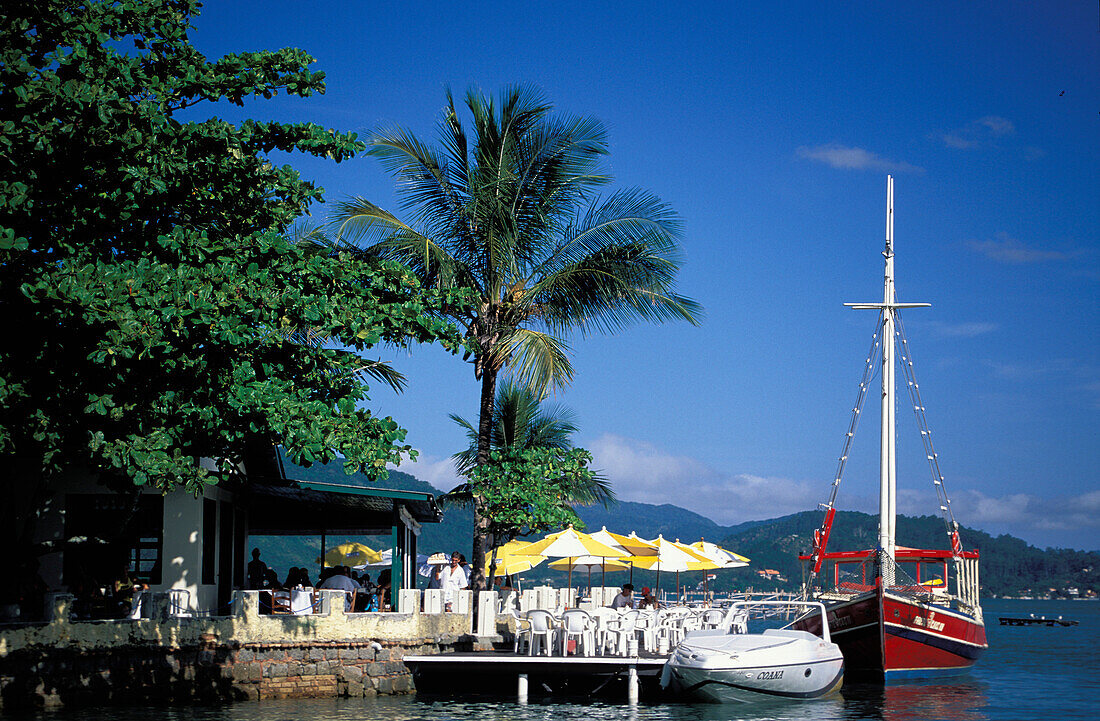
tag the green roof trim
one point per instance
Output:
(364, 491)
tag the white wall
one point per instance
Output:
(181, 549)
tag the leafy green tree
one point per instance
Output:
(509, 210)
(521, 422)
(150, 295)
(529, 490)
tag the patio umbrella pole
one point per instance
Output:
(570, 575)
(322, 556)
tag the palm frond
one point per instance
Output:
(384, 372)
(539, 360)
(618, 265)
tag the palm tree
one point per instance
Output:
(521, 419)
(511, 213)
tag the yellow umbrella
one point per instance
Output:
(724, 558)
(587, 563)
(509, 562)
(350, 554)
(671, 557)
(630, 544)
(568, 544)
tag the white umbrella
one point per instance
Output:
(670, 557)
(720, 556)
(566, 544)
(387, 560)
(631, 545)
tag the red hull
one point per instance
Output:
(883, 635)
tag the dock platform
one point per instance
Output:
(517, 675)
(1036, 621)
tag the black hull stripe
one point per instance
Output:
(812, 664)
(961, 649)
(782, 694)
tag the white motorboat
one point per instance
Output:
(729, 665)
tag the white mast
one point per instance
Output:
(887, 449)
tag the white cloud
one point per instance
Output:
(997, 125)
(1005, 249)
(847, 158)
(978, 133)
(440, 472)
(644, 473)
(962, 330)
(1067, 521)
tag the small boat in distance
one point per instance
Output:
(1032, 620)
(729, 665)
(886, 620)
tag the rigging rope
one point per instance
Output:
(926, 438)
(864, 383)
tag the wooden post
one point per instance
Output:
(521, 689)
(632, 684)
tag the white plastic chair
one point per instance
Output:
(712, 618)
(579, 624)
(623, 629)
(179, 603)
(542, 631)
(646, 629)
(136, 605)
(604, 617)
(523, 633)
(737, 620)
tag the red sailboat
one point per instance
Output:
(888, 622)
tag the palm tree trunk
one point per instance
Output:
(484, 438)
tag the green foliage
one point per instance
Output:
(522, 420)
(529, 490)
(150, 293)
(1009, 566)
(507, 207)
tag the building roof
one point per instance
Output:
(278, 507)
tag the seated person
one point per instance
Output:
(341, 580)
(382, 591)
(123, 590)
(624, 598)
(647, 600)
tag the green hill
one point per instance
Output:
(1009, 565)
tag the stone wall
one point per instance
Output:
(245, 656)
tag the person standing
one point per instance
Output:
(257, 570)
(452, 578)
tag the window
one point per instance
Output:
(209, 538)
(108, 533)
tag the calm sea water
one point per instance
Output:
(1028, 673)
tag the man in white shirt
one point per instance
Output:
(625, 597)
(452, 578)
(342, 580)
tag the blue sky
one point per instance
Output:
(770, 128)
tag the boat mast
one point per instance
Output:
(887, 447)
(887, 461)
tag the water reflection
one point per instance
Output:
(897, 703)
(957, 700)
